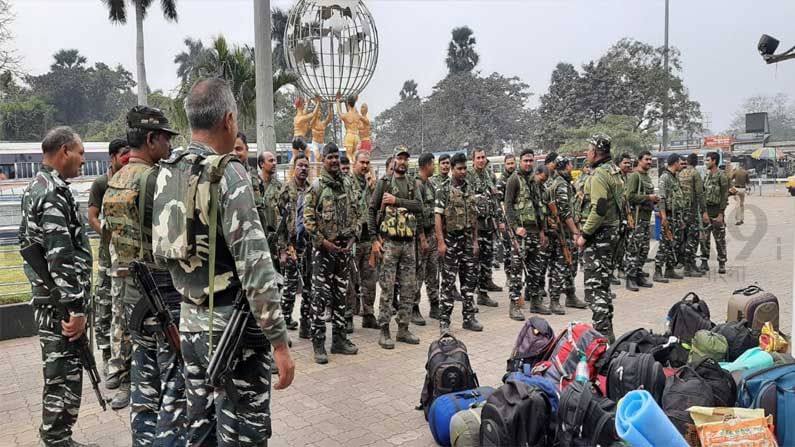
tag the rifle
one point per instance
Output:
(219, 370)
(33, 254)
(154, 305)
(564, 246)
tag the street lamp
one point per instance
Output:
(767, 47)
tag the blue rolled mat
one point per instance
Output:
(752, 359)
(642, 423)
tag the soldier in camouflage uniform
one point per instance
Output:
(639, 193)
(158, 385)
(523, 203)
(716, 198)
(671, 209)
(624, 163)
(296, 256)
(365, 281)
(50, 217)
(269, 210)
(331, 216)
(395, 221)
(479, 179)
(427, 267)
(600, 216)
(694, 214)
(509, 167)
(103, 310)
(546, 253)
(207, 177)
(456, 226)
(563, 271)
(443, 176)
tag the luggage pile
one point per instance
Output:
(699, 384)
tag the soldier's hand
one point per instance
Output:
(719, 219)
(388, 199)
(441, 249)
(580, 241)
(285, 365)
(544, 240)
(330, 247)
(521, 232)
(74, 328)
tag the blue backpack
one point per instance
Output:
(547, 386)
(446, 406)
(774, 390)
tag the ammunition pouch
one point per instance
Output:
(398, 223)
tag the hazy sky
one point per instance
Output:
(526, 38)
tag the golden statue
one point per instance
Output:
(364, 130)
(319, 127)
(352, 120)
(301, 125)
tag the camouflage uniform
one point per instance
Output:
(102, 299)
(242, 261)
(716, 198)
(561, 273)
(330, 213)
(506, 241)
(157, 392)
(638, 187)
(483, 188)
(364, 282)
(50, 217)
(298, 272)
(671, 200)
(267, 204)
(692, 188)
(427, 263)
(599, 221)
(623, 231)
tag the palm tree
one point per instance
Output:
(189, 63)
(68, 59)
(278, 26)
(461, 54)
(117, 13)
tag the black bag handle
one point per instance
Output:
(695, 297)
(748, 291)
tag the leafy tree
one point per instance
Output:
(25, 120)
(561, 106)
(409, 90)
(278, 26)
(189, 62)
(621, 129)
(68, 59)
(780, 115)
(9, 59)
(461, 54)
(403, 122)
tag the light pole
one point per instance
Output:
(266, 136)
(665, 84)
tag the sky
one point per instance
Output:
(525, 38)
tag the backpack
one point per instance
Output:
(465, 427)
(516, 414)
(531, 344)
(635, 371)
(720, 381)
(545, 385)
(739, 336)
(641, 341)
(772, 389)
(446, 406)
(560, 362)
(682, 391)
(688, 316)
(707, 344)
(585, 417)
(447, 370)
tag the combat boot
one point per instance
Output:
(658, 275)
(319, 348)
(588, 297)
(642, 281)
(340, 344)
(721, 267)
(691, 271)
(112, 382)
(485, 300)
(555, 307)
(290, 323)
(434, 312)
(305, 329)
(515, 312)
(492, 287)
(405, 336)
(349, 324)
(369, 322)
(537, 307)
(670, 273)
(704, 266)
(473, 325)
(574, 302)
(614, 281)
(631, 284)
(122, 397)
(386, 341)
(105, 362)
(416, 316)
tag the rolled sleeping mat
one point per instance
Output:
(752, 359)
(641, 422)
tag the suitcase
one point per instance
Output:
(755, 305)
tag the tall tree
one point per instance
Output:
(409, 90)
(189, 62)
(9, 59)
(68, 59)
(461, 54)
(403, 122)
(278, 26)
(117, 13)
(561, 106)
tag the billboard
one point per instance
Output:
(718, 141)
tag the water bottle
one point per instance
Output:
(581, 374)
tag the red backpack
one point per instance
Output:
(560, 362)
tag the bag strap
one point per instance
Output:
(144, 179)
(748, 291)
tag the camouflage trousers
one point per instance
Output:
(103, 312)
(486, 256)
(237, 414)
(506, 250)
(157, 391)
(637, 249)
(459, 263)
(120, 341)
(63, 379)
(526, 259)
(364, 283)
(690, 237)
(668, 251)
(399, 261)
(428, 271)
(292, 270)
(561, 273)
(598, 262)
(718, 231)
(330, 276)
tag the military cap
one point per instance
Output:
(400, 150)
(143, 117)
(551, 157)
(601, 142)
(562, 160)
(329, 149)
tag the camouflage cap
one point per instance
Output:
(601, 142)
(329, 148)
(400, 150)
(143, 117)
(562, 160)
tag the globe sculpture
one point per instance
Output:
(332, 46)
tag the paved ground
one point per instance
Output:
(369, 399)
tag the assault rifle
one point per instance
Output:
(33, 254)
(154, 305)
(564, 245)
(223, 358)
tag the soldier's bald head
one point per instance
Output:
(208, 102)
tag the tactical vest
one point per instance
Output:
(524, 207)
(122, 208)
(673, 198)
(687, 183)
(398, 222)
(482, 190)
(460, 213)
(712, 189)
(428, 200)
(334, 217)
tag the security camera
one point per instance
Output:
(767, 47)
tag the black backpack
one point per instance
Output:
(720, 381)
(447, 370)
(585, 417)
(683, 390)
(689, 316)
(635, 371)
(517, 414)
(638, 340)
(739, 336)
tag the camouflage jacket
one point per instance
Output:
(601, 205)
(456, 205)
(428, 195)
(410, 199)
(439, 180)
(242, 255)
(716, 191)
(330, 209)
(291, 206)
(98, 188)
(500, 185)
(670, 193)
(51, 217)
(561, 191)
(483, 188)
(692, 187)
(270, 199)
(364, 195)
(637, 190)
(523, 202)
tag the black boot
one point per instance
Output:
(434, 312)
(574, 302)
(485, 300)
(515, 312)
(290, 323)
(305, 329)
(658, 275)
(405, 336)
(691, 271)
(456, 295)
(340, 344)
(721, 267)
(537, 307)
(614, 281)
(491, 287)
(416, 316)
(473, 325)
(631, 285)
(555, 307)
(386, 341)
(369, 322)
(704, 266)
(319, 347)
(643, 281)
(670, 273)
(348, 324)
